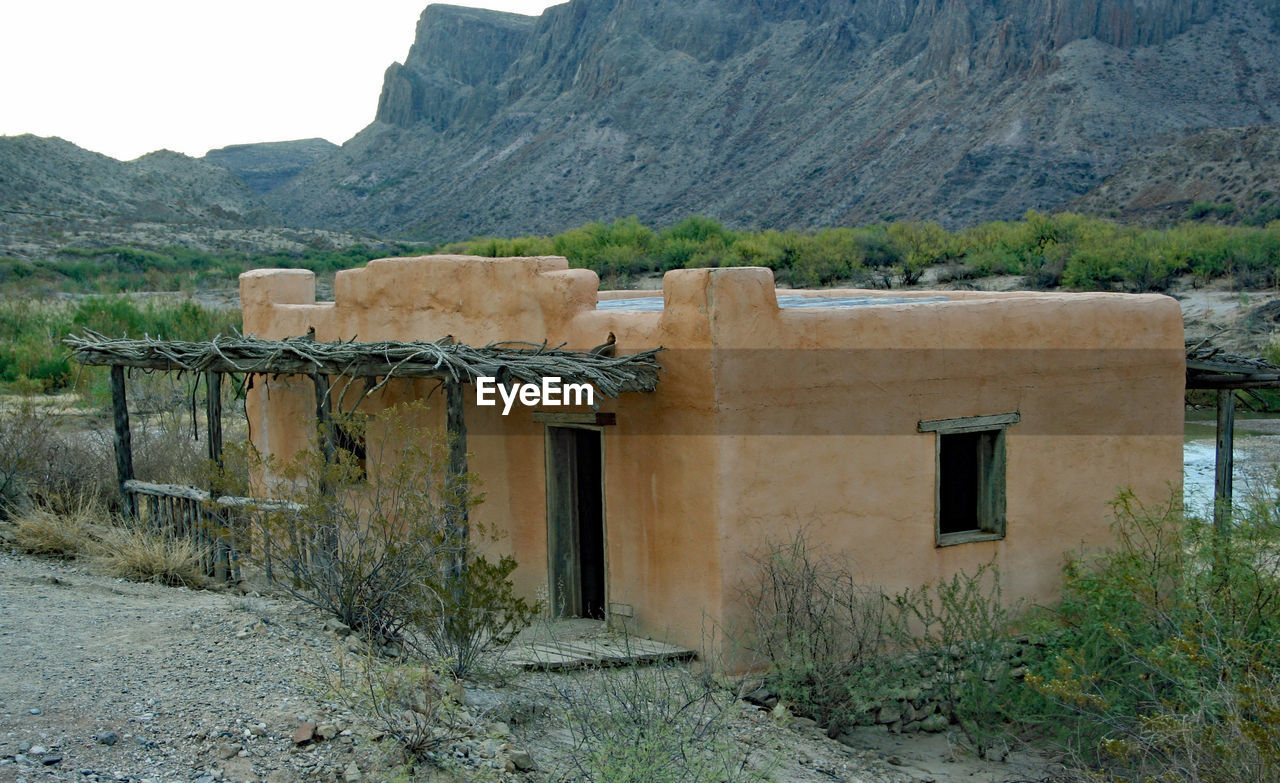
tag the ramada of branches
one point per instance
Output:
(444, 359)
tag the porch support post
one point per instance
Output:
(456, 429)
(123, 439)
(213, 414)
(1223, 463)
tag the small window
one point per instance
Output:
(970, 488)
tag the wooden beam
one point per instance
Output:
(284, 365)
(166, 490)
(970, 423)
(213, 414)
(123, 439)
(1234, 381)
(456, 428)
(324, 419)
(1224, 463)
(599, 419)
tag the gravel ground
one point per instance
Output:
(104, 679)
(108, 680)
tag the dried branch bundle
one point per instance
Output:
(446, 359)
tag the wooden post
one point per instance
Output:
(456, 428)
(123, 439)
(324, 418)
(213, 414)
(219, 522)
(1223, 463)
(1223, 468)
(325, 545)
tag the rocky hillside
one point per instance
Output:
(53, 176)
(53, 193)
(267, 166)
(1230, 174)
(783, 112)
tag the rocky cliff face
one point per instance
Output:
(777, 113)
(452, 73)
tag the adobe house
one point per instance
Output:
(918, 433)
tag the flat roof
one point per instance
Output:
(785, 301)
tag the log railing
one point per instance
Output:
(218, 527)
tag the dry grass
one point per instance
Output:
(140, 555)
(42, 531)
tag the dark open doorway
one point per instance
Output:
(575, 522)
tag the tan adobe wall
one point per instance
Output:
(769, 418)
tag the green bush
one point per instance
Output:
(462, 620)
(1065, 249)
(1240, 242)
(33, 357)
(650, 724)
(1166, 659)
(838, 650)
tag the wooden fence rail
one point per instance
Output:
(218, 527)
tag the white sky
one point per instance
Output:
(126, 77)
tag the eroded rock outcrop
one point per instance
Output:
(775, 113)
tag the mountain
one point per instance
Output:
(53, 193)
(51, 175)
(1231, 173)
(268, 165)
(783, 113)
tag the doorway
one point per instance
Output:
(575, 522)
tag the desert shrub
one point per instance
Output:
(1063, 249)
(414, 704)
(355, 546)
(50, 463)
(131, 551)
(493, 247)
(920, 244)
(381, 543)
(961, 628)
(822, 634)
(33, 357)
(649, 724)
(75, 466)
(24, 432)
(697, 228)
(460, 620)
(676, 253)
(39, 530)
(167, 447)
(837, 650)
(1167, 662)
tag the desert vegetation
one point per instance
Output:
(117, 269)
(1064, 249)
(33, 358)
(1158, 663)
(1069, 250)
(382, 541)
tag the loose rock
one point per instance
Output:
(522, 760)
(306, 733)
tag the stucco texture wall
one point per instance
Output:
(766, 418)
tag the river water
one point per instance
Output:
(1257, 456)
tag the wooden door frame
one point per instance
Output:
(548, 461)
